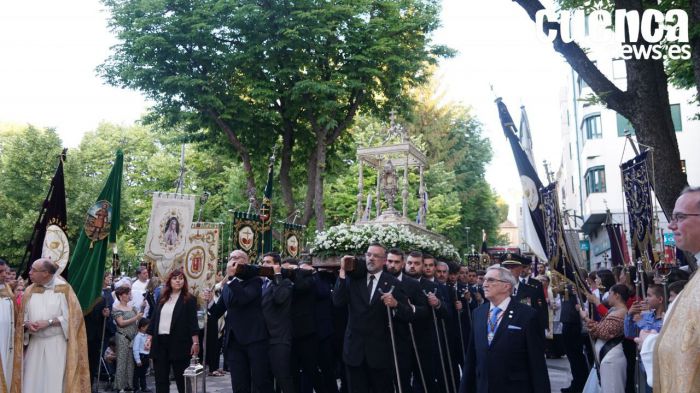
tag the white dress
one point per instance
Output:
(7, 334)
(45, 357)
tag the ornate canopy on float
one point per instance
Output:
(392, 161)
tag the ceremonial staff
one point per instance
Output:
(449, 357)
(459, 319)
(393, 339)
(415, 350)
(102, 344)
(437, 336)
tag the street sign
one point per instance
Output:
(584, 245)
(669, 240)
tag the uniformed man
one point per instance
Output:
(524, 292)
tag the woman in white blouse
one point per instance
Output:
(173, 332)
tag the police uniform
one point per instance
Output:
(526, 293)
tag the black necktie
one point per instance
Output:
(370, 285)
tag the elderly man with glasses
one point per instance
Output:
(56, 357)
(672, 357)
(506, 344)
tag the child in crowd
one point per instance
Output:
(646, 315)
(141, 356)
(110, 356)
(674, 289)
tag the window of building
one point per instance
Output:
(595, 180)
(623, 126)
(676, 116)
(592, 127)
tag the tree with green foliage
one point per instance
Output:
(258, 72)
(28, 159)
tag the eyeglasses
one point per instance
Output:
(491, 280)
(370, 255)
(678, 217)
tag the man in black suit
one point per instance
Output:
(437, 299)
(304, 335)
(406, 317)
(246, 336)
(423, 328)
(506, 343)
(524, 292)
(276, 307)
(573, 341)
(367, 350)
(324, 280)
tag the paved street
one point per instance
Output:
(559, 377)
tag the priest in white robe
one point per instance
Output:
(56, 356)
(672, 357)
(7, 330)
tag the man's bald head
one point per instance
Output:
(42, 271)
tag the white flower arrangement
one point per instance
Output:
(350, 239)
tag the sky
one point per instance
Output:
(50, 50)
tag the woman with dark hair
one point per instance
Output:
(611, 377)
(173, 332)
(126, 318)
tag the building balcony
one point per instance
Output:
(594, 211)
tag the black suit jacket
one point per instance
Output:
(182, 327)
(276, 307)
(534, 297)
(416, 315)
(514, 362)
(367, 333)
(323, 284)
(242, 302)
(303, 304)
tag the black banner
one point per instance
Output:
(637, 189)
(53, 212)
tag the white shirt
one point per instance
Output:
(166, 314)
(502, 305)
(138, 288)
(374, 283)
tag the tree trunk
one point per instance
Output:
(240, 149)
(651, 118)
(321, 151)
(285, 167)
(310, 189)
